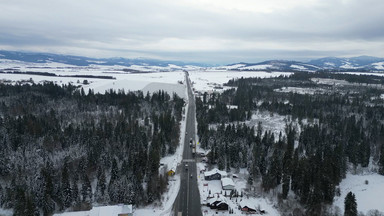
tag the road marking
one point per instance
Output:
(187, 191)
(188, 160)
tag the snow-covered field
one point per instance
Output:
(214, 80)
(368, 189)
(299, 90)
(168, 81)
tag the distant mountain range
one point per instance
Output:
(361, 63)
(32, 57)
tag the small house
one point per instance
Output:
(247, 206)
(214, 174)
(218, 202)
(227, 184)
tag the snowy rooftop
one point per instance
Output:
(218, 197)
(227, 181)
(101, 211)
(247, 203)
(201, 166)
(214, 171)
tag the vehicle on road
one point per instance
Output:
(186, 166)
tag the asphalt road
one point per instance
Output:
(188, 200)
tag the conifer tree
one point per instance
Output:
(350, 205)
(287, 161)
(75, 192)
(86, 189)
(381, 160)
(100, 188)
(20, 202)
(66, 187)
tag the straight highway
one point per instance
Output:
(187, 202)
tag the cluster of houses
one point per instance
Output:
(216, 174)
(219, 201)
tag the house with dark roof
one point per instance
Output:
(214, 174)
(218, 202)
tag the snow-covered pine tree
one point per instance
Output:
(350, 205)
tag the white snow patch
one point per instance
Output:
(269, 121)
(379, 65)
(299, 67)
(231, 67)
(348, 65)
(299, 90)
(257, 67)
(204, 81)
(368, 196)
(6, 212)
(179, 89)
(326, 81)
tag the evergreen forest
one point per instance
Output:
(328, 132)
(64, 149)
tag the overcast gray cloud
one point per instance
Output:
(214, 31)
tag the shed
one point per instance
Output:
(227, 184)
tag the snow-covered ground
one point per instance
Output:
(269, 122)
(168, 81)
(258, 67)
(6, 64)
(299, 67)
(326, 81)
(379, 65)
(368, 189)
(213, 188)
(214, 80)
(6, 212)
(299, 90)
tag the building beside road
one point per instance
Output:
(214, 174)
(218, 201)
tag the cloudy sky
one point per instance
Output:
(209, 31)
